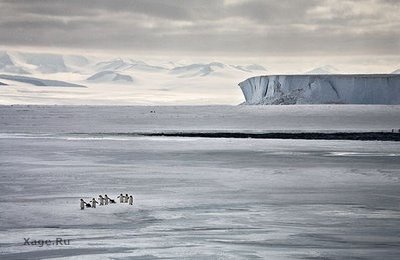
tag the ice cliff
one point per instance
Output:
(322, 89)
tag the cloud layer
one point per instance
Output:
(234, 27)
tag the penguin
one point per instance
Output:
(107, 199)
(88, 205)
(101, 200)
(94, 202)
(121, 198)
(82, 204)
(131, 200)
(112, 201)
(126, 198)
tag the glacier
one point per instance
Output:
(322, 89)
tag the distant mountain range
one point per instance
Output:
(128, 64)
(40, 63)
(43, 69)
(21, 63)
(97, 80)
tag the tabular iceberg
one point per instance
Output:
(322, 89)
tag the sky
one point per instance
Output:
(234, 28)
(284, 36)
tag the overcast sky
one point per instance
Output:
(205, 27)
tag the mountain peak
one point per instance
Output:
(326, 69)
(47, 63)
(110, 76)
(5, 59)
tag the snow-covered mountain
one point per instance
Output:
(214, 69)
(249, 68)
(327, 69)
(47, 63)
(118, 80)
(396, 71)
(197, 69)
(128, 64)
(322, 89)
(9, 64)
(40, 63)
(110, 76)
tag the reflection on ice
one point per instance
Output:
(368, 154)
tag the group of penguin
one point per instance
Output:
(106, 200)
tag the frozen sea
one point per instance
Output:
(198, 198)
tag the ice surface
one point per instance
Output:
(127, 119)
(198, 197)
(322, 89)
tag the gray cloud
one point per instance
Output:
(240, 27)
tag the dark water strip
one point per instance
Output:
(361, 136)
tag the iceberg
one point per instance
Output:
(322, 89)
